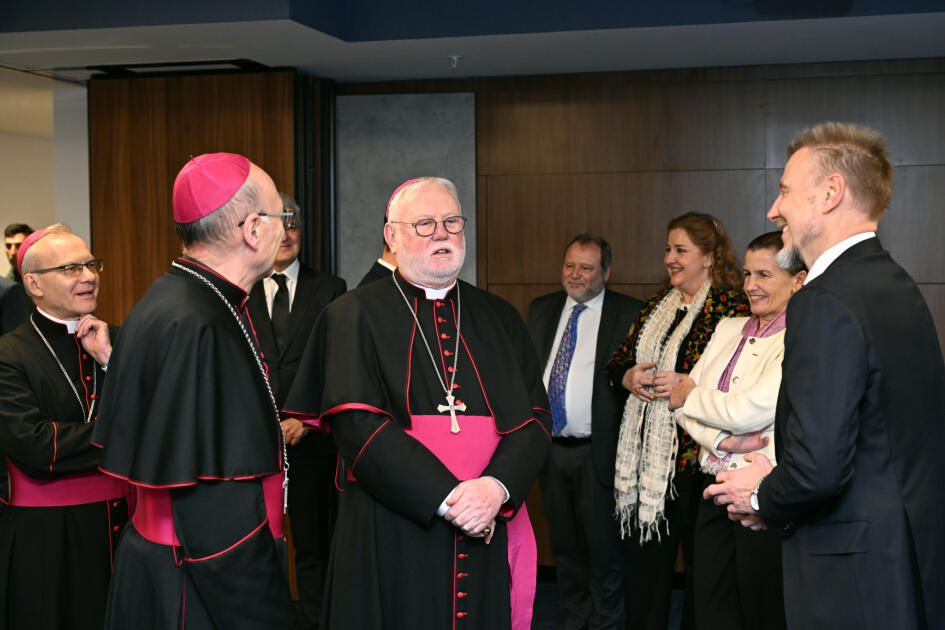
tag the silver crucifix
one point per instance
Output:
(454, 425)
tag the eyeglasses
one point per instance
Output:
(289, 219)
(426, 227)
(72, 270)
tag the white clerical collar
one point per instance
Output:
(436, 294)
(595, 303)
(70, 324)
(384, 263)
(826, 259)
(291, 272)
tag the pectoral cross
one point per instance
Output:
(454, 425)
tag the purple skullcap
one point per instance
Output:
(206, 183)
(397, 190)
(25, 245)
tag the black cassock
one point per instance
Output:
(55, 561)
(187, 414)
(367, 375)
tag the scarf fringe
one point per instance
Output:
(648, 442)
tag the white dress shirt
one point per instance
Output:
(579, 389)
(270, 286)
(824, 260)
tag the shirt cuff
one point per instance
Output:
(715, 444)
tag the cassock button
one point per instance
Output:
(460, 536)
(115, 528)
(88, 378)
(441, 319)
(460, 595)
(444, 336)
(461, 614)
(449, 369)
(447, 353)
(456, 385)
(94, 397)
(115, 504)
(438, 304)
(461, 575)
(85, 356)
(463, 556)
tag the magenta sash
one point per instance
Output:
(154, 519)
(466, 454)
(71, 489)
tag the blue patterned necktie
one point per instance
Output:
(559, 371)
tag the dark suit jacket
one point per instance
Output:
(376, 272)
(15, 305)
(618, 312)
(859, 431)
(314, 291)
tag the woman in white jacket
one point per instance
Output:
(727, 404)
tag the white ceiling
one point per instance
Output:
(26, 98)
(287, 43)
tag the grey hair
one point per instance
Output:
(216, 227)
(31, 257)
(413, 187)
(291, 205)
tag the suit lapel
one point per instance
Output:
(608, 320)
(300, 304)
(259, 313)
(552, 316)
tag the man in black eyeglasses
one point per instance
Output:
(284, 307)
(189, 418)
(59, 531)
(432, 391)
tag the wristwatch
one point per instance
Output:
(753, 497)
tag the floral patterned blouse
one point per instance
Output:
(719, 304)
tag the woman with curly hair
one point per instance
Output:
(657, 481)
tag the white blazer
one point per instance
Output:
(710, 415)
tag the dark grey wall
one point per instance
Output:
(384, 140)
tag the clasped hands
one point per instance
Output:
(648, 387)
(474, 505)
(733, 488)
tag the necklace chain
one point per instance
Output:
(446, 390)
(88, 417)
(262, 372)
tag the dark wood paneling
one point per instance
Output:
(913, 229)
(637, 128)
(532, 217)
(141, 132)
(906, 109)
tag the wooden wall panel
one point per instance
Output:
(907, 109)
(631, 128)
(530, 218)
(141, 132)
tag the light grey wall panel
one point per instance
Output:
(384, 140)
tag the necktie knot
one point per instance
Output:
(279, 279)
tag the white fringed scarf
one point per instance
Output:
(646, 449)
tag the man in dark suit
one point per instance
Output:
(576, 332)
(382, 267)
(857, 491)
(284, 307)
